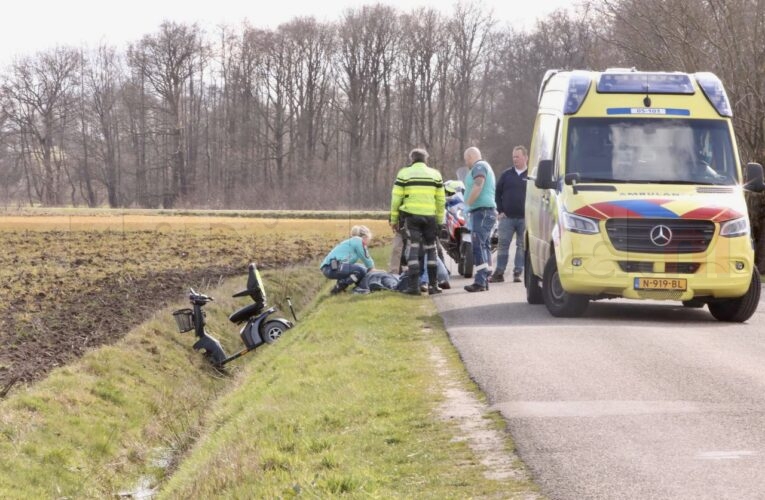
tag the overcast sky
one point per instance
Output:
(28, 26)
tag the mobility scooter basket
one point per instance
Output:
(184, 320)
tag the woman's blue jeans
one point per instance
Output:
(345, 274)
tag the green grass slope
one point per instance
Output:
(125, 414)
(346, 404)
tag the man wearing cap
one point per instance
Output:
(418, 198)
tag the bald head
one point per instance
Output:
(472, 155)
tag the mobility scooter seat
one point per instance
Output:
(246, 313)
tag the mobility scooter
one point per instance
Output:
(259, 328)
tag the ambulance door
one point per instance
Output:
(539, 202)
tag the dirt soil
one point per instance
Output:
(70, 284)
(63, 330)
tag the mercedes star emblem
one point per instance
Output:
(661, 235)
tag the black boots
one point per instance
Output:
(474, 287)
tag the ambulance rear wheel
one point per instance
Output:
(532, 282)
(272, 331)
(740, 309)
(559, 302)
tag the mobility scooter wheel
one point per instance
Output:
(272, 331)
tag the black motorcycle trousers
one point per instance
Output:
(420, 236)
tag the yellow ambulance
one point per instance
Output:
(636, 190)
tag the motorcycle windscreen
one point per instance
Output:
(462, 173)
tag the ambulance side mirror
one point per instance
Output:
(544, 178)
(572, 180)
(753, 178)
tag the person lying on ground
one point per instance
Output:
(443, 276)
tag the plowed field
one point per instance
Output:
(72, 283)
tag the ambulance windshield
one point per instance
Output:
(631, 149)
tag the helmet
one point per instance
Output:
(452, 186)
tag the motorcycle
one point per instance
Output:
(455, 238)
(259, 328)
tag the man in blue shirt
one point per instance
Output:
(480, 187)
(511, 200)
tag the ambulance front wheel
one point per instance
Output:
(532, 282)
(740, 309)
(559, 302)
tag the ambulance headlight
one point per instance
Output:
(579, 224)
(735, 227)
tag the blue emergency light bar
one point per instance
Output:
(645, 83)
(715, 92)
(624, 81)
(578, 86)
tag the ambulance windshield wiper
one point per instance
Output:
(598, 179)
(674, 181)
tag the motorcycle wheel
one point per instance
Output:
(465, 263)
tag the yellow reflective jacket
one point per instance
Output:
(418, 190)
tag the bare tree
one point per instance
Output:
(35, 96)
(278, 91)
(469, 28)
(167, 60)
(103, 81)
(312, 73)
(658, 34)
(368, 38)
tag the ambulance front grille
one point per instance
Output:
(630, 266)
(678, 235)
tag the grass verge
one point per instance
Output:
(345, 404)
(125, 414)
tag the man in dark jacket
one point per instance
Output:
(511, 198)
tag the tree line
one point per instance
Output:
(321, 114)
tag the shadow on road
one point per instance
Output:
(598, 314)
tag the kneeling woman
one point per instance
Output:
(341, 263)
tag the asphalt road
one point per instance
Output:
(635, 400)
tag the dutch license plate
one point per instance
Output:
(661, 284)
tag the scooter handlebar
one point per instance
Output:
(199, 297)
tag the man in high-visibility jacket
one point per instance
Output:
(418, 199)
